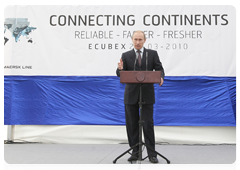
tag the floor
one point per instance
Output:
(105, 154)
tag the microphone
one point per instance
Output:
(146, 60)
(135, 62)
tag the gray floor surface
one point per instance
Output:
(106, 153)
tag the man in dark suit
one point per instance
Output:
(132, 91)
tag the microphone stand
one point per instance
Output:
(135, 63)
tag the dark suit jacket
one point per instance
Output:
(132, 91)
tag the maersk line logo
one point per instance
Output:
(19, 27)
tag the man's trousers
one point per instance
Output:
(132, 124)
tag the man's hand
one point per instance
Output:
(161, 82)
(120, 65)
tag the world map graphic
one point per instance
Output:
(18, 27)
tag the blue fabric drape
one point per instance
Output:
(98, 100)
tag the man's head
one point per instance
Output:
(138, 39)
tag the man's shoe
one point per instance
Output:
(133, 158)
(153, 159)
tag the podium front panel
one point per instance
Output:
(140, 76)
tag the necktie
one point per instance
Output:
(139, 57)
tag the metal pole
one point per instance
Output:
(10, 130)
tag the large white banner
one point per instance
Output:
(89, 40)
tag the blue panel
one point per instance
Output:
(83, 100)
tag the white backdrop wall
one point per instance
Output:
(71, 40)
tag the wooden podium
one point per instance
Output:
(140, 77)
